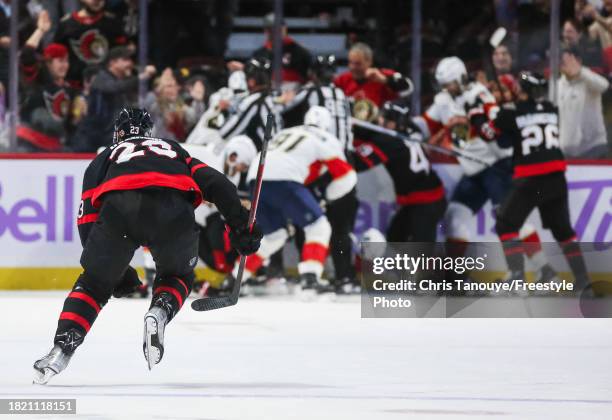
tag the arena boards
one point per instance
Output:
(40, 196)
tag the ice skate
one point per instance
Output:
(309, 281)
(155, 322)
(50, 365)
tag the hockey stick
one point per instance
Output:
(398, 135)
(210, 303)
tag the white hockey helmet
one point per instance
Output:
(451, 69)
(243, 148)
(320, 117)
(237, 81)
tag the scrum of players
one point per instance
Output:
(509, 153)
(142, 191)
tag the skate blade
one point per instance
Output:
(41, 378)
(153, 353)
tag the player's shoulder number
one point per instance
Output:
(128, 150)
(286, 141)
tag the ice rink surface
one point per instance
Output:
(285, 358)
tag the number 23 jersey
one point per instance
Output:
(146, 162)
(140, 162)
(532, 129)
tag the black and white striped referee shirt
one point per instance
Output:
(328, 96)
(250, 118)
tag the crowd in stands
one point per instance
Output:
(77, 64)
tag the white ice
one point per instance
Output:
(284, 358)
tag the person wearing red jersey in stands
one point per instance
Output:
(88, 34)
(370, 87)
(47, 108)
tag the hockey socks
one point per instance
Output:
(513, 250)
(170, 293)
(573, 255)
(78, 315)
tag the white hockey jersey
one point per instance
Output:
(304, 153)
(476, 99)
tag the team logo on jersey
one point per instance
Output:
(91, 47)
(365, 110)
(364, 149)
(58, 104)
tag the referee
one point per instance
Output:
(252, 111)
(320, 91)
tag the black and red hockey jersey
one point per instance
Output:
(414, 179)
(46, 110)
(88, 39)
(147, 162)
(532, 129)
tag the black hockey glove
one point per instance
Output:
(244, 241)
(129, 283)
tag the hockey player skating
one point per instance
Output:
(532, 129)
(140, 191)
(297, 155)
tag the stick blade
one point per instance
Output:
(212, 303)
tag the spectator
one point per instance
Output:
(172, 117)
(370, 87)
(601, 26)
(503, 70)
(296, 59)
(581, 127)
(113, 88)
(502, 60)
(88, 34)
(590, 49)
(47, 102)
(57, 9)
(195, 96)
